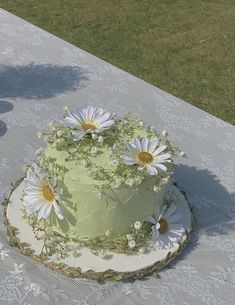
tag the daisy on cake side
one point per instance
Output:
(40, 195)
(167, 228)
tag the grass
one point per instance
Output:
(184, 47)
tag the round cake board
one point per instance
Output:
(134, 264)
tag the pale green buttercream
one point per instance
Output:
(86, 216)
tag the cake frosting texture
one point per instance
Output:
(86, 215)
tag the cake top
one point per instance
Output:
(114, 150)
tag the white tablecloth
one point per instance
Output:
(39, 74)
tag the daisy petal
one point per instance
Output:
(159, 150)
(127, 159)
(58, 211)
(152, 170)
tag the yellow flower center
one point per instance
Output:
(87, 126)
(47, 193)
(163, 226)
(144, 157)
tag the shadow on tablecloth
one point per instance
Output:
(36, 81)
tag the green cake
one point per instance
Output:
(99, 181)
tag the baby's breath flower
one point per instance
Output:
(137, 225)
(60, 191)
(98, 195)
(39, 134)
(84, 162)
(94, 136)
(131, 244)
(129, 237)
(115, 146)
(113, 162)
(75, 253)
(118, 182)
(101, 139)
(59, 133)
(59, 141)
(51, 123)
(142, 250)
(156, 188)
(151, 128)
(101, 253)
(25, 168)
(108, 233)
(165, 179)
(94, 150)
(39, 151)
(164, 133)
(130, 182)
(182, 154)
(89, 173)
(66, 109)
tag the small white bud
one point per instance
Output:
(150, 128)
(129, 237)
(182, 154)
(94, 150)
(137, 225)
(101, 139)
(141, 123)
(113, 162)
(60, 191)
(84, 162)
(89, 173)
(66, 109)
(164, 133)
(131, 244)
(118, 182)
(39, 134)
(165, 179)
(59, 133)
(108, 233)
(59, 141)
(39, 151)
(98, 195)
(130, 182)
(51, 124)
(25, 168)
(142, 250)
(156, 188)
(115, 146)
(101, 253)
(94, 136)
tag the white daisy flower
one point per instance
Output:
(40, 195)
(147, 154)
(166, 228)
(88, 121)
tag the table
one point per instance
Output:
(39, 74)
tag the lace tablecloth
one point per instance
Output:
(39, 74)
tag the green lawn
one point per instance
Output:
(185, 47)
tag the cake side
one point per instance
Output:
(87, 215)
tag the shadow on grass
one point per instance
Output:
(36, 81)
